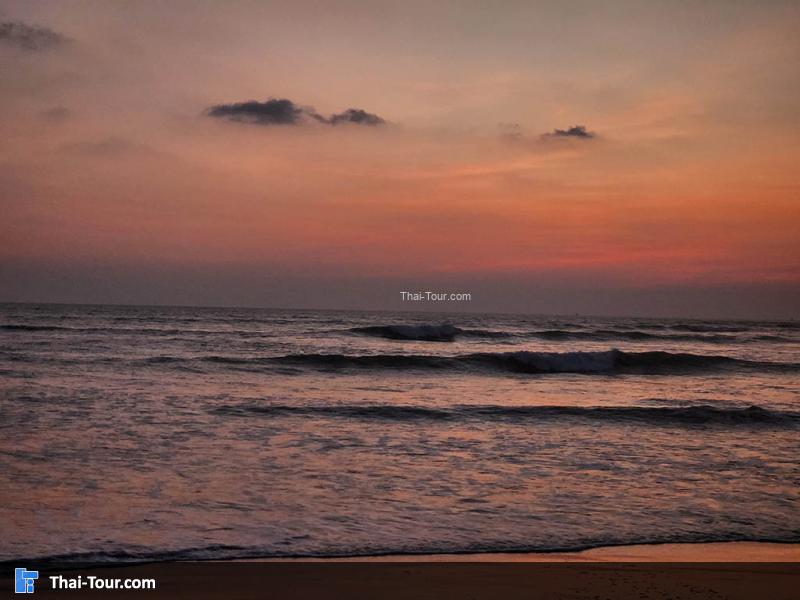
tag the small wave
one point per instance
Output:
(489, 334)
(162, 360)
(149, 331)
(710, 327)
(690, 415)
(770, 338)
(604, 362)
(426, 333)
(607, 362)
(602, 335)
(449, 333)
(33, 328)
(193, 363)
(137, 554)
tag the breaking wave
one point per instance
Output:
(426, 333)
(634, 335)
(689, 415)
(609, 362)
(449, 333)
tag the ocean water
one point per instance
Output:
(144, 433)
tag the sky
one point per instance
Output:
(623, 158)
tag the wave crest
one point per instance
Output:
(686, 415)
(423, 333)
(608, 362)
(449, 333)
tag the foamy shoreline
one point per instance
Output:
(699, 552)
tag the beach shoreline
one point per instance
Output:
(733, 570)
(722, 552)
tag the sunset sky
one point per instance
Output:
(558, 157)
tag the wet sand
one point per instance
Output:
(708, 552)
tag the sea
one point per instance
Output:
(172, 433)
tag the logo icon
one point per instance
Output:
(23, 580)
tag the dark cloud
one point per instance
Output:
(280, 111)
(275, 111)
(29, 37)
(356, 115)
(576, 131)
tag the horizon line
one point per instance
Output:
(396, 311)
